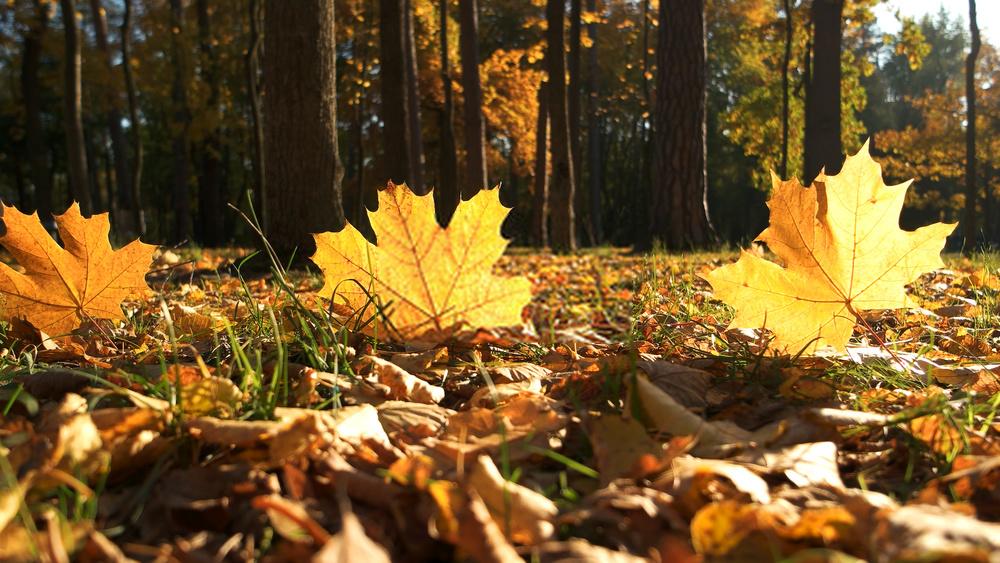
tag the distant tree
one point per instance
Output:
(414, 129)
(31, 93)
(210, 189)
(679, 209)
(76, 151)
(476, 177)
(786, 60)
(300, 127)
(970, 227)
(595, 156)
(447, 194)
(573, 110)
(251, 69)
(124, 204)
(392, 76)
(823, 118)
(180, 136)
(138, 221)
(563, 235)
(540, 200)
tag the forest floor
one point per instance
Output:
(227, 421)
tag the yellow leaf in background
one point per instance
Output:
(63, 285)
(841, 252)
(437, 279)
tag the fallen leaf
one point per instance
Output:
(922, 531)
(402, 384)
(525, 515)
(63, 286)
(841, 252)
(670, 416)
(807, 464)
(351, 544)
(438, 279)
(479, 536)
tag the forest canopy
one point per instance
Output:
(173, 98)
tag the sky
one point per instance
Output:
(987, 14)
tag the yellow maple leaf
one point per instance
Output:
(438, 279)
(63, 285)
(842, 252)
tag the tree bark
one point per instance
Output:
(595, 157)
(252, 68)
(76, 151)
(785, 62)
(416, 141)
(561, 189)
(970, 227)
(580, 203)
(540, 207)
(447, 193)
(135, 128)
(476, 177)
(180, 142)
(822, 136)
(209, 180)
(31, 92)
(301, 153)
(679, 217)
(395, 131)
(123, 206)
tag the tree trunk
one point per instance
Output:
(822, 136)
(180, 143)
(252, 68)
(123, 206)
(416, 148)
(595, 157)
(476, 177)
(76, 151)
(31, 92)
(395, 132)
(679, 207)
(209, 180)
(785, 62)
(573, 100)
(970, 227)
(135, 180)
(301, 154)
(447, 193)
(561, 188)
(540, 207)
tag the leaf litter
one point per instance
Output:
(622, 420)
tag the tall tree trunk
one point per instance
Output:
(31, 92)
(180, 143)
(573, 100)
(679, 208)
(301, 154)
(561, 190)
(124, 205)
(447, 193)
(416, 148)
(76, 151)
(540, 207)
(785, 62)
(970, 227)
(252, 69)
(135, 128)
(822, 137)
(595, 157)
(476, 177)
(392, 76)
(209, 180)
